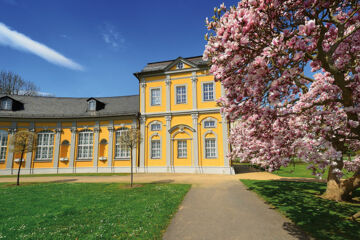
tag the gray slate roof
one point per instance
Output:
(58, 107)
(158, 66)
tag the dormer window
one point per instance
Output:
(92, 105)
(180, 65)
(6, 104)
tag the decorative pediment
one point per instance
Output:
(179, 64)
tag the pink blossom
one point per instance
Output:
(280, 111)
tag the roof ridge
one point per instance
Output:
(13, 95)
(175, 59)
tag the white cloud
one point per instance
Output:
(111, 36)
(21, 42)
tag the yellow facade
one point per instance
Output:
(180, 123)
(183, 121)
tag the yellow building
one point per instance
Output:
(180, 123)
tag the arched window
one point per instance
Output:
(210, 148)
(45, 145)
(85, 144)
(210, 145)
(121, 150)
(3, 144)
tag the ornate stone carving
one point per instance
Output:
(142, 119)
(195, 116)
(143, 85)
(168, 118)
(73, 129)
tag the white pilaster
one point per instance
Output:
(111, 144)
(72, 145)
(142, 141)
(195, 117)
(58, 131)
(225, 140)
(142, 96)
(96, 144)
(168, 142)
(194, 90)
(29, 155)
(168, 93)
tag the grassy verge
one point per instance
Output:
(300, 202)
(300, 170)
(65, 175)
(87, 210)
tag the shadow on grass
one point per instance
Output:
(300, 202)
(35, 183)
(162, 181)
(295, 231)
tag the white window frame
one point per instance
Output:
(155, 153)
(152, 126)
(85, 144)
(6, 104)
(181, 148)
(203, 91)
(44, 146)
(176, 93)
(3, 145)
(121, 150)
(204, 138)
(151, 96)
(92, 105)
(209, 124)
(209, 119)
(210, 151)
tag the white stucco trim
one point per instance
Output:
(216, 144)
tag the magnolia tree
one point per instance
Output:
(291, 74)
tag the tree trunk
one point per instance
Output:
(341, 190)
(131, 160)
(20, 163)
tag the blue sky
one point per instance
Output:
(87, 48)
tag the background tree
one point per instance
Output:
(262, 51)
(130, 139)
(22, 142)
(13, 84)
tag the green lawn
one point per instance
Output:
(300, 170)
(65, 174)
(87, 210)
(300, 202)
